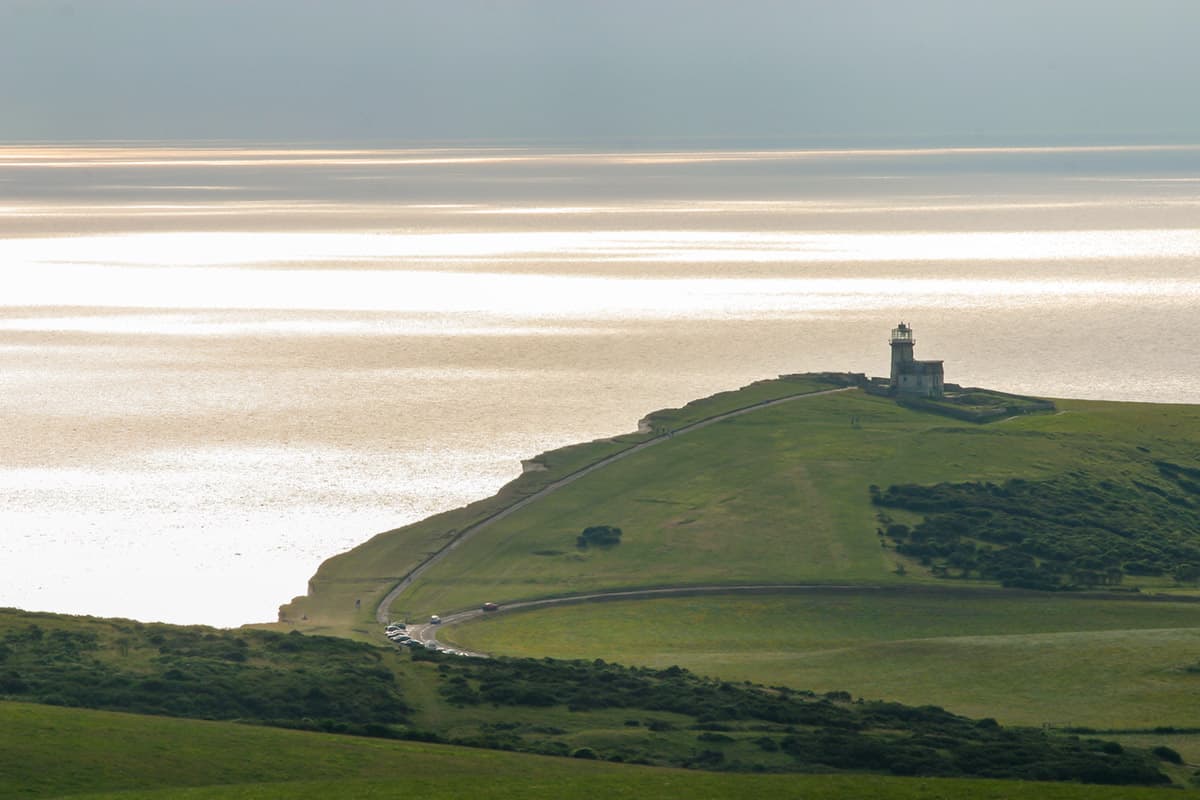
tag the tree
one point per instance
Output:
(598, 536)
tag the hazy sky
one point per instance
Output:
(618, 70)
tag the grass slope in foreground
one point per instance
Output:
(586, 709)
(58, 752)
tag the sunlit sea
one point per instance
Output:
(222, 364)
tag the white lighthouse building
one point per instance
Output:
(909, 376)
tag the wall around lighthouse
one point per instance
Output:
(921, 378)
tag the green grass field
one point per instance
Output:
(620, 785)
(611, 712)
(1023, 658)
(781, 495)
(56, 752)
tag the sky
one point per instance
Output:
(619, 71)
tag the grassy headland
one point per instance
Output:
(342, 596)
(782, 496)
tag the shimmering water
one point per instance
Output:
(221, 365)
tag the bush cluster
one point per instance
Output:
(286, 679)
(598, 536)
(329, 684)
(1072, 531)
(817, 732)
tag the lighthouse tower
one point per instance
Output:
(909, 376)
(902, 351)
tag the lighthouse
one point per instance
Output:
(909, 376)
(902, 350)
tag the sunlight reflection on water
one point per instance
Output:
(339, 249)
(204, 397)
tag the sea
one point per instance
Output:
(222, 363)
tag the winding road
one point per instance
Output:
(381, 611)
(426, 633)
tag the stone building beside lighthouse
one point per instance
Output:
(909, 376)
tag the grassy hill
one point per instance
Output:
(782, 496)
(591, 710)
(342, 596)
(1024, 658)
(59, 752)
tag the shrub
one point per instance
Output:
(598, 536)
(1072, 531)
(1167, 754)
(707, 758)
